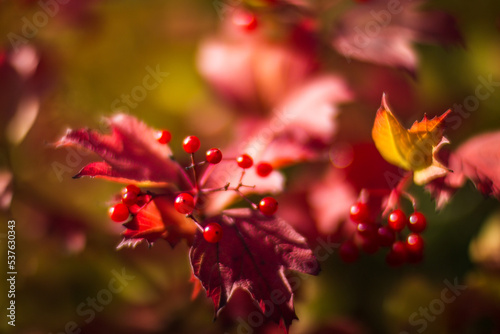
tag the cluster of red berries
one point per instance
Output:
(371, 236)
(132, 197)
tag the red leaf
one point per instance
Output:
(157, 219)
(478, 159)
(130, 153)
(381, 33)
(253, 254)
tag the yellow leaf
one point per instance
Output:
(414, 149)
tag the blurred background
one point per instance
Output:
(216, 66)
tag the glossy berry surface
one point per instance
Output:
(397, 220)
(414, 243)
(359, 213)
(191, 144)
(131, 188)
(118, 212)
(214, 156)
(244, 161)
(212, 232)
(184, 203)
(349, 252)
(268, 206)
(386, 236)
(129, 198)
(264, 169)
(163, 136)
(417, 222)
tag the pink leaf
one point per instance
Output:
(381, 32)
(478, 159)
(254, 254)
(130, 153)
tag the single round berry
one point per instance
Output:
(184, 203)
(367, 230)
(386, 236)
(212, 232)
(118, 212)
(163, 136)
(268, 206)
(191, 144)
(349, 252)
(359, 213)
(245, 20)
(414, 243)
(397, 255)
(244, 161)
(131, 188)
(397, 220)
(417, 222)
(129, 198)
(214, 156)
(264, 169)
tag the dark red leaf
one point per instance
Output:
(130, 153)
(254, 254)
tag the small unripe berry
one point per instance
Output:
(191, 144)
(268, 206)
(244, 161)
(212, 232)
(214, 156)
(264, 169)
(184, 203)
(118, 212)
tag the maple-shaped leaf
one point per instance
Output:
(130, 153)
(414, 149)
(253, 254)
(478, 159)
(382, 32)
(156, 219)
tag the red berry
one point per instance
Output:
(214, 156)
(397, 255)
(367, 230)
(212, 232)
(245, 20)
(191, 144)
(244, 161)
(264, 169)
(415, 243)
(184, 203)
(349, 252)
(397, 220)
(131, 188)
(359, 213)
(417, 222)
(118, 212)
(386, 236)
(268, 206)
(163, 136)
(129, 198)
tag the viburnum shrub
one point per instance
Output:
(248, 248)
